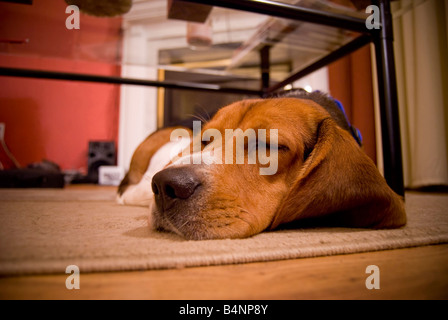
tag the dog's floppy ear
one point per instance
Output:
(339, 182)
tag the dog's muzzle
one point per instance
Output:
(173, 184)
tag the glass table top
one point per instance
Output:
(227, 45)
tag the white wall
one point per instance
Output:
(318, 80)
(138, 104)
(146, 31)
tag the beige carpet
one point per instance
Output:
(44, 231)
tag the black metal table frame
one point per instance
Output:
(384, 55)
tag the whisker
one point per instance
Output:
(198, 117)
(204, 110)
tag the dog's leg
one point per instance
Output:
(142, 156)
(151, 156)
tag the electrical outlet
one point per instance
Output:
(2, 131)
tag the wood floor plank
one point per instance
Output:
(413, 273)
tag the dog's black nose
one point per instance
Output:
(174, 183)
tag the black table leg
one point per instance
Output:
(387, 86)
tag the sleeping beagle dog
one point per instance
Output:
(196, 187)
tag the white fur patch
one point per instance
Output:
(141, 194)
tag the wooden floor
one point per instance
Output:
(414, 273)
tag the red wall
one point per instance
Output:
(50, 119)
(350, 81)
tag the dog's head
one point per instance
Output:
(258, 164)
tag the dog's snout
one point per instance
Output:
(174, 183)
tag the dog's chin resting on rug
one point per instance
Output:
(259, 164)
